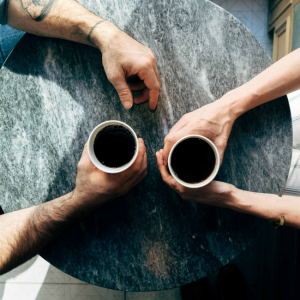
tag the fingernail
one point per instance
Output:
(127, 104)
(153, 110)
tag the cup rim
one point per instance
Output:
(91, 151)
(211, 176)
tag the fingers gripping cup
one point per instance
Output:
(113, 146)
(194, 161)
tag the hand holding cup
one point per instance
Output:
(215, 193)
(97, 187)
(194, 161)
(213, 121)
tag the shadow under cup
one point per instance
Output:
(194, 161)
(113, 146)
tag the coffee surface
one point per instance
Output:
(114, 146)
(193, 160)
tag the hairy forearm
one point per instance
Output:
(266, 206)
(25, 232)
(65, 19)
(278, 80)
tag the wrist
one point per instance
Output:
(86, 200)
(238, 101)
(266, 206)
(237, 201)
(230, 199)
(96, 31)
(103, 34)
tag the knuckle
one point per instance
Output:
(148, 62)
(135, 169)
(183, 190)
(167, 139)
(180, 190)
(142, 148)
(151, 54)
(80, 166)
(152, 57)
(184, 196)
(184, 117)
(145, 169)
(174, 184)
(157, 85)
(113, 77)
(124, 93)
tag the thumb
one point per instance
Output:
(124, 92)
(85, 159)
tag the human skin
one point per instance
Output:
(215, 121)
(122, 56)
(25, 232)
(220, 194)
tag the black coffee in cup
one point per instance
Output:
(193, 160)
(114, 146)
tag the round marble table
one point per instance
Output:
(54, 92)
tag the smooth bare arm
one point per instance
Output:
(281, 78)
(25, 232)
(215, 120)
(122, 56)
(220, 194)
(266, 206)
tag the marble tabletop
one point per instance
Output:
(55, 92)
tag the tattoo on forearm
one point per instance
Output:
(92, 29)
(37, 9)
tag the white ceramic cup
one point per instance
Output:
(91, 151)
(211, 176)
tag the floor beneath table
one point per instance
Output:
(270, 268)
(38, 280)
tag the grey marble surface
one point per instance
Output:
(55, 92)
